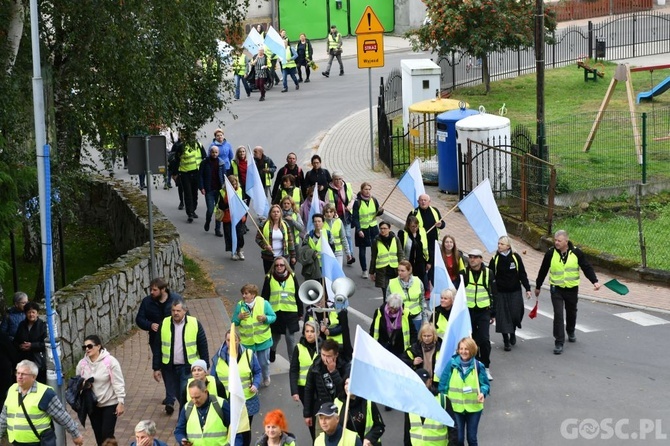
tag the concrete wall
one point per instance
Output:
(409, 14)
(106, 302)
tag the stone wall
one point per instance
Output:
(106, 302)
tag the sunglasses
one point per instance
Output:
(87, 346)
(279, 265)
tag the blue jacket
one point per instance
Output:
(11, 323)
(205, 176)
(225, 152)
(454, 366)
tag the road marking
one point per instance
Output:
(528, 334)
(581, 327)
(367, 319)
(280, 366)
(640, 318)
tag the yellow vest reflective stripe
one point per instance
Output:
(268, 175)
(424, 242)
(190, 339)
(335, 230)
(348, 438)
(332, 320)
(252, 331)
(333, 42)
(268, 235)
(240, 65)
(348, 192)
(244, 367)
(428, 433)
(417, 214)
(387, 257)
(189, 158)
(476, 292)
(211, 387)
(282, 295)
(305, 359)
(565, 275)
(290, 63)
(295, 194)
(18, 428)
(213, 433)
(460, 400)
(316, 245)
(369, 422)
(411, 297)
(404, 325)
(367, 213)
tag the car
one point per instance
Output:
(370, 45)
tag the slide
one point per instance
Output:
(656, 91)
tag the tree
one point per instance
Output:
(479, 27)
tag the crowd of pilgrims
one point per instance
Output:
(399, 264)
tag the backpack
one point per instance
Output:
(215, 404)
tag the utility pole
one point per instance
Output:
(539, 73)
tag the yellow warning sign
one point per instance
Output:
(370, 50)
(369, 23)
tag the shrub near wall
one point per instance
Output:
(106, 303)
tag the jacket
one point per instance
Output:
(108, 384)
(153, 312)
(287, 439)
(581, 258)
(201, 343)
(37, 338)
(11, 322)
(323, 386)
(296, 171)
(205, 174)
(318, 177)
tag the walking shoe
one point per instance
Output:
(181, 206)
(169, 409)
(488, 374)
(218, 234)
(512, 338)
(299, 79)
(266, 382)
(306, 80)
(234, 256)
(558, 348)
(273, 355)
(240, 254)
(572, 337)
(190, 219)
(507, 347)
(351, 261)
(194, 215)
(341, 73)
(365, 275)
(325, 73)
(297, 86)
(262, 99)
(207, 226)
(284, 90)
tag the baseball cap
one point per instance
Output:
(423, 374)
(475, 253)
(328, 409)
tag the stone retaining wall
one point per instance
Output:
(106, 302)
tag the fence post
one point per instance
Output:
(634, 29)
(644, 148)
(590, 40)
(453, 70)
(643, 247)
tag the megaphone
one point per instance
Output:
(310, 292)
(343, 288)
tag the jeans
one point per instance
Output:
(333, 55)
(362, 258)
(175, 378)
(211, 198)
(264, 361)
(289, 72)
(238, 78)
(564, 297)
(467, 424)
(290, 342)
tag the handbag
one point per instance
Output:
(48, 436)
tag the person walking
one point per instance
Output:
(204, 420)
(411, 289)
(225, 148)
(30, 410)
(364, 219)
(276, 430)
(290, 168)
(339, 230)
(261, 63)
(422, 354)
(309, 254)
(266, 169)
(317, 177)
(275, 238)
(481, 305)
(211, 172)
(223, 205)
(303, 357)
(430, 219)
(290, 67)
(238, 167)
(291, 216)
(341, 195)
(391, 326)
(334, 50)
(386, 256)
(509, 274)
(108, 387)
(562, 262)
(30, 339)
(180, 342)
(454, 259)
(240, 70)
(200, 372)
(305, 53)
(333, 433)
(145, 434)
(190, 158)
(414, 243)
(364, 418)
(288, 189)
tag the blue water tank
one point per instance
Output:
(447, 149)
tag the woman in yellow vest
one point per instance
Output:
(214, 385)
(422, 354)
(411, 289)
(364, 217)
(303, 357)
(386, 256)
(254, 315)
(290, 214)
(250, 375)
(275, 239)
(337, 228)
(238, 167)
(391, 327)
(440, 317)
(288, 189)
(414, 242)
(465, 383)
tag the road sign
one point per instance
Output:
(369, 23)
(370, 50)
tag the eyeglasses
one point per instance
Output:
(279, 265)
(87, 346)
(24, 374)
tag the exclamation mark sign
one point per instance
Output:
(369, 25)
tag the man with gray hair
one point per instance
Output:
(14, 315)
(30, 409)
(562, 262)
(145, 434)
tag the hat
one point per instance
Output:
(199, 363)
(475, 253)
(327, 409)
(423, 374)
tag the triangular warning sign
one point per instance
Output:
(369, 23)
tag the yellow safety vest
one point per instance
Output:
(211, 387)
(295, 194)
(369, 421)
(18, 428)
(290, 63)
(267, 175)
(190, 157)
(332, 320)
(282, 295)
(244, 368)
(333, 43)
(564, 275)
(367, 213)
(428, 433)
(417, 214)
(347, 192)
(404, 325)
(316, 245)
(477, 292)
(213, 433)
(336, 230)
(441, 325)
(348, 438)
(252, 331)
(424, 242)
(305, 359)
(411, 297)
(190, 339)
(268, 235)
(460, 400)
(240, 65)
(387, 257)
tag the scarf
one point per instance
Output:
(465, 365)
(394, 324)
(340, 206)
(282, 277)
(428, 350)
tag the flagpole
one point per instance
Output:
(258, 228)
(392, 190)
(346, 413)
(443, 217)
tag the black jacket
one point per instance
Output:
(581, 258)
(318, 177)
(151, 312)
(322, 386)
(296, 172)
(294, 368)
(37, 338)
(356, 420)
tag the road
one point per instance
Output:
(616, 370)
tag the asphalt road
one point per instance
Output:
(609, 386)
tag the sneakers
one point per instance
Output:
(284, 90)
(365, 274)
(325, 74)
(341, 73)
(261, 99)
(169, 409)
(306, 80)
(558, 348)
(266, 382)
(273, 355)
(297, 86)
(488, 374)
(194, 215)
(572, 337)
(351, 261)
(240, 255)
(234, 256)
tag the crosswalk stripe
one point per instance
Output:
(640, 318)
(580, 327)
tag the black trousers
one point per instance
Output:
(189, 181)
(481, 322)
(103, 422)
(564, 297)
